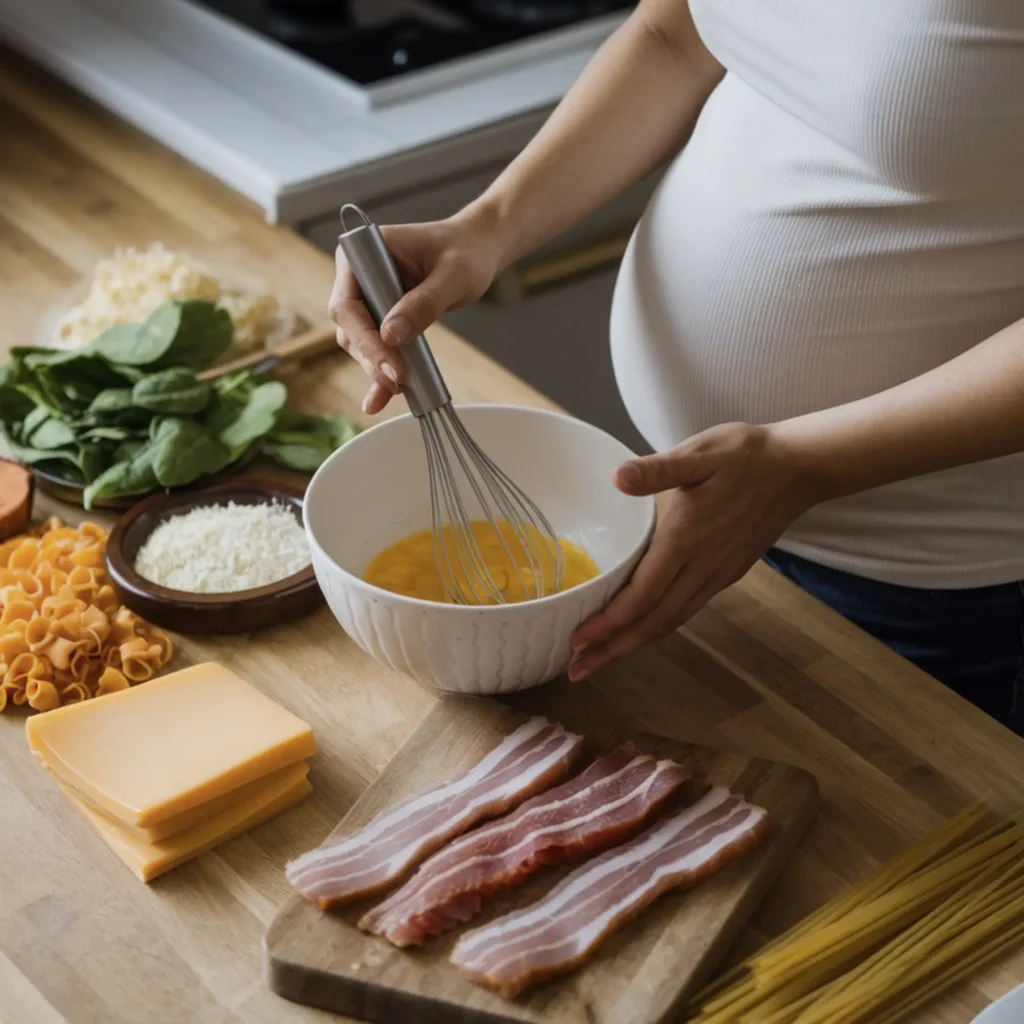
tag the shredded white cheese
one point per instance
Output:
(217, 549)
(133, 283)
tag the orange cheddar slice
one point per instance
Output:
(148, 860)
(156, 751)
(187, 819)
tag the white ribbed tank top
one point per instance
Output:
(848, 214)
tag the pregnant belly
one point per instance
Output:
(769, 278)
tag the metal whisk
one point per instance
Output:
(454, 459)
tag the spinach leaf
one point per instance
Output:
(256, 419)
(204, 333)
(339, 428)
(14, 404)
(111, 433)
(93, 458)
(35, 419)
(342, 429)
(241, 384)
(52, 388)
(128, 449)
(36, 357)
(132, 374)
(221, 412)
(130, 476)
(154, 426)
(230, 395)
(193, 333)
(111, 400)
(172, 391)
(184, 450)
(142, 344)
(303, 442)
(19, 353)
(79, 392)
(121, 344)
(84, 378)
(32, 456)
(41, 391)
(303, 456)
(51, 434)
(160, 425)
(35, 396)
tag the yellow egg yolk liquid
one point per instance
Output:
(408, 566)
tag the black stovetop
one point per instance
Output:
(371, 41)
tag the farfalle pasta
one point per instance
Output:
(64, 638)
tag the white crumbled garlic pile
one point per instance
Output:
(126, 288)
(218, 549)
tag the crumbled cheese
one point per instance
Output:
(216, 549)
(134, 283)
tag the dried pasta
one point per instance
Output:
(64, 638)
(947, 905)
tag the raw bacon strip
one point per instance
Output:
(558, 932)
(602, 806)
(353, 867)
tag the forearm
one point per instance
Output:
(967, 410)
(632, 108)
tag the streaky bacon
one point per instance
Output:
(603, 805)
(560, 931)
(349, 868)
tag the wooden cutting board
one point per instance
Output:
(641, 975)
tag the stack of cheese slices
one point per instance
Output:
(167, 770)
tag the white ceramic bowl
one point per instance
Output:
(373, 491)
(1008, 1010)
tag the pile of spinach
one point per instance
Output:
(126, 414)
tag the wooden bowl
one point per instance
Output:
(239, 611)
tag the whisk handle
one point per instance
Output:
(377, 275)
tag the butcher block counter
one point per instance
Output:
(764, 670)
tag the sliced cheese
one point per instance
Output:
(163, 748)
(204, 812)
(147, 860)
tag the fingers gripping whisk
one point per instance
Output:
(469, 493)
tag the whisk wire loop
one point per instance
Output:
(521, 511)
(452, 532)
(475, 473)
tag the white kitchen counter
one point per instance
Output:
(273, 126)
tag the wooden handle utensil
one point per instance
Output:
(309, 343)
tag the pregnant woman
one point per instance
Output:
(818, 323)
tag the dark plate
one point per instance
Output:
(177, 610)
(72, 493)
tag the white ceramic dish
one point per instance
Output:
(373, 491)
(1008, 1010)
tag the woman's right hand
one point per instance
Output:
(445, 264)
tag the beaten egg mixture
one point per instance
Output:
(408, 567)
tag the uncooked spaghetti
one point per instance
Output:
(941, 909)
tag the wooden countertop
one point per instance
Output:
(764, 669)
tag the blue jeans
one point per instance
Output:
(971, 640)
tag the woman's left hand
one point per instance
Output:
(737, 488)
